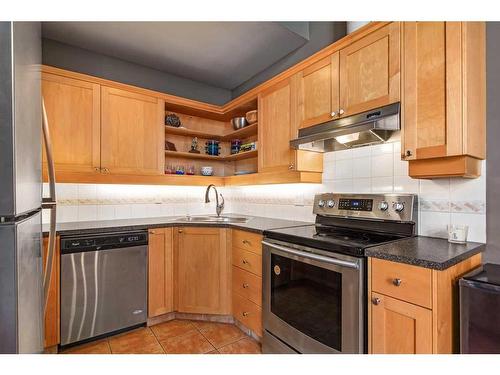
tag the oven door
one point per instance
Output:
(313, 300)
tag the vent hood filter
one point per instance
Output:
(363, 129)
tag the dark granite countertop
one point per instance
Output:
(254, 224)
(428, 252)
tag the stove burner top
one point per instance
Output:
(355, 236)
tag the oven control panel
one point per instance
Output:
(397, 207)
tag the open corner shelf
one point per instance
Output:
(189, 155)
(245, 132)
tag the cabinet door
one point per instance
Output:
(160, 272)
(443, 89)
(132, 138)
(318, 92)
(275, 128)
(399, 327)
(73, 112)
(202, 269)
(424, 88)
(370, 71)
(52, 337)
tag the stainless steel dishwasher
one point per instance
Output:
(103, 284)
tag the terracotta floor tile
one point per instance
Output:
(206, 326)
(141, 341)
(221, 335)
(192, 342)
(172, 328)
(243, 346)
(96, 347)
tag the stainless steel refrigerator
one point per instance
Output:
(21, 277)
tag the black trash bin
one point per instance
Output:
(480, 310)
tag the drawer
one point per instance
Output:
(247, 285)
(248, 313)
(247, 260)
(247, 241)
(402, 281)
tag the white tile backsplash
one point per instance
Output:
(372, 169)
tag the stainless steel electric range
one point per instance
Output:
(314, 276)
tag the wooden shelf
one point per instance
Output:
(190, 155)
(241, 156)
(245, 132)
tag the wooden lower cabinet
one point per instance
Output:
(202, 268)
(400, 327)
(51, 317)
(160, 272)
(414, 310)
(247, 279)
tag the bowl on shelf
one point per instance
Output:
(251, 116)
(207, 171)
(239, 122)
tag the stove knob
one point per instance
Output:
(321, 203)
(330, 204)
(399, 207)
(383, 206)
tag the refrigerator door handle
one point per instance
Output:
(50, 204)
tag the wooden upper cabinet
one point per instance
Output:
(160, 272)
(132, 132)
(399, 327)
(73, 111)
(202, 270)
(318, 92)
(275, 128)
(444, 98)
(370, 71)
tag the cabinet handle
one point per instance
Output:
(97, 169)
(180, 231)
(291, 166)
(397, 282)
(341, 111)
(246, 242)
(245, 313)
(408, 153)
(376, 301)
(333, 114)
(244, 261)
(105, 170)
(245, 285)
(152, 232)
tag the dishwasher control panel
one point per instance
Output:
(75, 244)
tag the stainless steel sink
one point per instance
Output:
(212, 219)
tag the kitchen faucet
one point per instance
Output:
(218, 207)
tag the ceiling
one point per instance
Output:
(221, 54)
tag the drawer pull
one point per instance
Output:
(245, 313)
(152, 232)
(376, 301)
(245, 285)
(397, 282)
(180, 230)
(246, 242)
(244, 261)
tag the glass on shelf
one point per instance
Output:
(190, 170)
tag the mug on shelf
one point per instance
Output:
(212, 147)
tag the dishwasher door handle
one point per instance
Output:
(319, 258)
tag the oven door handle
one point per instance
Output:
(335, 261)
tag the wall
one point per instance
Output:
(374, 169)
(84, 61)
(321, 34)
(493, 135)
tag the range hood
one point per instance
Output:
(362, 129)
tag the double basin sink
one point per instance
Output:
(212, 219)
